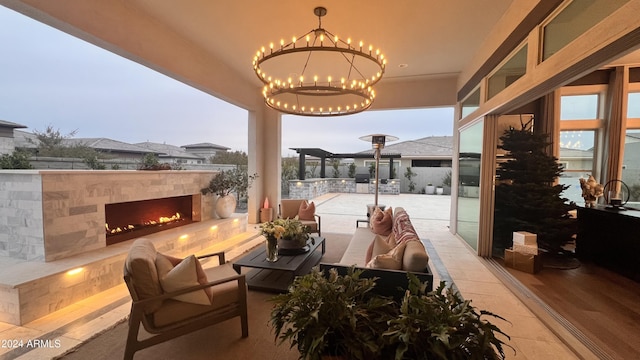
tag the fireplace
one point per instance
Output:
(128, 220)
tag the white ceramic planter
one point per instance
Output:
(225, 206)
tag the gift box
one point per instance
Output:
(524, 262)
(525, 238)
(526, 249)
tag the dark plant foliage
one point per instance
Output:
(352, 170)
(236, 180)
(526, 198)
(152, 162)
(441, 325)
(230, 157)
(409, 174)
(16, 160)
(329, 314)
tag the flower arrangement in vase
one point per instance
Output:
(289, 234)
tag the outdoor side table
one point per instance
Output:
(277, 276)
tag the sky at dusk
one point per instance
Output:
(48, 77)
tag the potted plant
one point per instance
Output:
(440, 325)
(430, 189)
(332, 315)
(329, 314)
(225, 183)
(446, 182)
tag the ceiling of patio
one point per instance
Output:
(420, 39)
(430, 37)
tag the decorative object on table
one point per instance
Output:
(591, 191)
(337, 77)
(290, 234)
(223, 184)
(271, 244)
(527, 196)
(266, 213)
(616, 194)
(377, 142)
(328, 314)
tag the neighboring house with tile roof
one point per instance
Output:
(429, 157)
(125, 155)
(205, 150)
(112, 148)
(7, 141)
(173, 154)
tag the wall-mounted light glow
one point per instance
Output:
(75, 271)
(184, 237)
(214, 227)
(299, 183)
(236, 220)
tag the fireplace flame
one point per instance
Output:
(130, 227)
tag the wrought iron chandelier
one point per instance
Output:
(318, 74)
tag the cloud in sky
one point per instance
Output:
(48, 77)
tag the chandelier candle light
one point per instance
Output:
(319, 74)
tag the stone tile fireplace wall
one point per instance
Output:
(48, 215)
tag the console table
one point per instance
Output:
(611, 239)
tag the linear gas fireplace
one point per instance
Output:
(128, 220)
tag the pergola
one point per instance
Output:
(323, 155)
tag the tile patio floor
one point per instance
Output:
(430, 217)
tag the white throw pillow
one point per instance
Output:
(392, 260)
(181, 276)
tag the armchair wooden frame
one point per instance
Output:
(163, 333)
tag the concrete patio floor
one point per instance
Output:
(429, 214)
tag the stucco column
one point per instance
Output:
(264, 144)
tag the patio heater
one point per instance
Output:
(377, 142)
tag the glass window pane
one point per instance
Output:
(579, 107)
(471, 103)
(573, 21)
(469, 184)
(633, 108)
(511, 71)
(631, 165)
(576, 156)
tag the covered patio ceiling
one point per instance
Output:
(210, 44)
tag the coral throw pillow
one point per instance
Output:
(382, 222)
(306, 211)
(186, 273)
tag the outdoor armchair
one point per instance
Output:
(161, 314)
(290, 208)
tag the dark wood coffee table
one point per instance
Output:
(277, 276)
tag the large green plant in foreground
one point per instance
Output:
(330, 314)
(526, 198)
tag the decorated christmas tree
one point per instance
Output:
(526, 197)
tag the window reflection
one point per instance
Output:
(631, 165)
(469, 183)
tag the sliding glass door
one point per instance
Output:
(468, 198)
